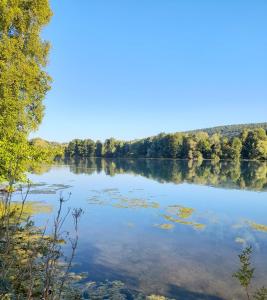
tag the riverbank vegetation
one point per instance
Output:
(30, 257)
(250, 144)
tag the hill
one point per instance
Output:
(229, 130)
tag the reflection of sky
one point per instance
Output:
(124, 243)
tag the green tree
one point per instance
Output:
(109, 147)
(235, 151)
(98, 149)
(216, 149)
(173, 145)
(23, 55)
(254, 144)
(23, 81)
(204, 144)
(245, 273)
(90, 148)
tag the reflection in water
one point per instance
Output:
(177, 240)
(251, 175)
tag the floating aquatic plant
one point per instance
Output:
(49, 189)
(165, 226)
(258, 227)
(123, 202)
(190, 223)
(181, 211)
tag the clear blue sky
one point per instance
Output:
(135, 68)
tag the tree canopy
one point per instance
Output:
(23, 80)
(250, 144)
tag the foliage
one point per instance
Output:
(51, 150)
(105, 290)
(29, 258)
(23, 55)
(23, 83)
(250, 144)
(261, 294)
(245, 275)
(18, 157)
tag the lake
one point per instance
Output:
(167, 227)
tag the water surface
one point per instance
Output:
(168, 227)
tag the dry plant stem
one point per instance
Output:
(24, 198)
(76, 214)
(247, 294)
(53, 255)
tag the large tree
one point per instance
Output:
(23, 80)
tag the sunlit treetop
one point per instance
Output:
(23, 56)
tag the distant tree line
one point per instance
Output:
(250, 144)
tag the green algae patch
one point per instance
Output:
(134, 203)
(176, 213)
(183, 222)
(258, 227)
(181, 211)
(199, 226)
(165, 226)
(114, 199)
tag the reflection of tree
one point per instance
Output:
(229, 174)
(40, 169)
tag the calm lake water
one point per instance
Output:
(167, 227)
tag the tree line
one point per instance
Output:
(250, 144)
